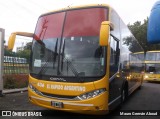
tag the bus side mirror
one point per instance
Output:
(11, 41)
(12, 38)
(106, 26)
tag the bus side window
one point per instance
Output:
(114, 55)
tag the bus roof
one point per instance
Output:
(154, 51)
(138, 53)
(152, 62)
(76, 7)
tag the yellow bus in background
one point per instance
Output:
(137, 66)
(152, 66)
(79, 60)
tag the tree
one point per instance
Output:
(28, 46)
(8, 52)
(139, 30)
(24, 54)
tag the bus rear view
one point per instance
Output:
(67, 62)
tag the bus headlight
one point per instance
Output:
(91, 94)
(146, 76)
(34, 89)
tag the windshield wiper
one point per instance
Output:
(73, 69)
(70, 65)
(43, 69)
(53, 54)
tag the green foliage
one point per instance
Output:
(8, 52)
(13, 81)
(24, 54)
(28, 46)
(9, 83)
(139, 30)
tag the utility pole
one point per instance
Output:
(2, 31)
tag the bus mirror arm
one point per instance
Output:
(106, 27)
(12, 38)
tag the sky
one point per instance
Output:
(22, 15)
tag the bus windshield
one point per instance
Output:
(153, 68)
(138, 57)
(153, 56)
(67, 44)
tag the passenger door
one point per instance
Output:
(115, 82)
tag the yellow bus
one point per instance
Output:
(137, 66)
(78, 60)
(152, 66)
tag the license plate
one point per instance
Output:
(57, 104)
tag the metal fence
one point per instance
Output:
(15, 73)
(15, 65)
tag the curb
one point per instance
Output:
(8, 91)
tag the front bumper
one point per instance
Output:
(96, 105)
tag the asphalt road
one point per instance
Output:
(145, 99)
